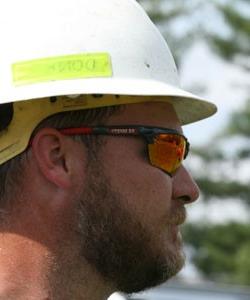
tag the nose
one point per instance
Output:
(184, 186)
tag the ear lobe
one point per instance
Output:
(49, 148)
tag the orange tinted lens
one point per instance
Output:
(167, 152)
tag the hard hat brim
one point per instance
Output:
(189, 108)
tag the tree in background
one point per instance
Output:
(235, 45)
(222, 251)
(232, 44)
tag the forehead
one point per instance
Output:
(150, 114)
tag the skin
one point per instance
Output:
(95, 216)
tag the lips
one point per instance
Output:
(177, 217)
(172, 237)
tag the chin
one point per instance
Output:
(154, 270)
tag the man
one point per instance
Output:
(92, 188)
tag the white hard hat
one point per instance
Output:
(75, 47)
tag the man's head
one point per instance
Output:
(119, 211)
(91, 164)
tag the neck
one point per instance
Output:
(77, 277)
(28, 271)
(22, 268)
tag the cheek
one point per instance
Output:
(144, 189)
(150, 194)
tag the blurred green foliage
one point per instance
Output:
(224, 187)
(222, 251)
(239, 123)
(237, 43)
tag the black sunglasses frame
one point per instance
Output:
(147, 132)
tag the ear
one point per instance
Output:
(51, 151)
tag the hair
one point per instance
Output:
(11, 172)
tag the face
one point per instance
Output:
(130, 211)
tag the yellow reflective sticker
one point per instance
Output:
(89, 65)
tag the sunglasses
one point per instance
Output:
(167, 148)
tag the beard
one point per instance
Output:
(115, 242)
